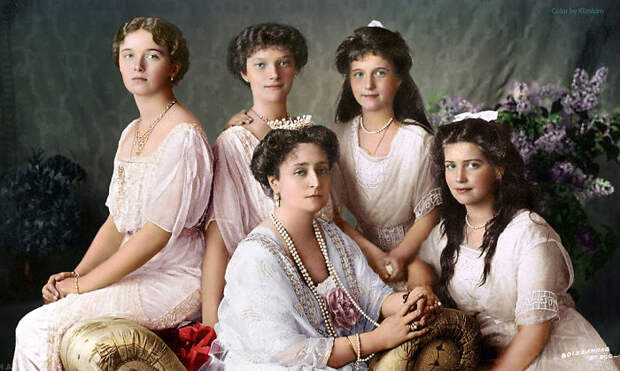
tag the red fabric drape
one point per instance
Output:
(191, 343)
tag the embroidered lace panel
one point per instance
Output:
(307, 304)
(537, 300)
(386, 238)
(428, 203)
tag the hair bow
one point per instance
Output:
(375, 23)
(484, 115)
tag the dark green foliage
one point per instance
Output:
(39, 209)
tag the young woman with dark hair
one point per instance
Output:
(384, 176)
(266, 57)
(144, 263)
(299, 292)
(499, 260)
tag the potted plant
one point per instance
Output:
(39, 210)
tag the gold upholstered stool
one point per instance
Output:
(115, 344)
(453, 343)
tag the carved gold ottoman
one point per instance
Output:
(115, 344)
(453, 343)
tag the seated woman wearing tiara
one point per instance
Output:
(266, 57)
(299, 292)
(144, 262)
(499, 260)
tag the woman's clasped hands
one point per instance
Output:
(419, 308)
(57, 287)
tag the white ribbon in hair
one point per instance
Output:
(375, 23)
(485, 115)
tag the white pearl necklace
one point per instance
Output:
(304, 272)
(387, 124)
(476, 227)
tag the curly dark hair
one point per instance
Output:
(164, 34)
(261, 36)
(278, 143)
(512, 193)
(391, 46)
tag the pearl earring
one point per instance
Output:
(276, 199)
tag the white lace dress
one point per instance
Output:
(385, 194)
(170, 188)
(527, 284)
(269, 319)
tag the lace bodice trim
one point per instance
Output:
(369, 171)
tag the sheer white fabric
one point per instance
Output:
(240, 203)
(170, 188)
(385, 194)
(269, 319)
(527, 284)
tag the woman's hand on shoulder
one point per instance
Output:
(403, 325)
(50, 290)
(239, 119)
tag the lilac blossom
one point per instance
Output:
(544, 96)
(565, 172)
(584, 91)
(518, 100)
(448, 107)
(562, 172)
(554, 139)
(524, 145)
(595, 187)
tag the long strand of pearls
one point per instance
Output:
(304, 272)
(332, 272)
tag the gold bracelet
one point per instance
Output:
(75, 274)
(77, 287)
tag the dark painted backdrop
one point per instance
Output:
(61, 91)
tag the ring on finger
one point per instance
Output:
(413, 326)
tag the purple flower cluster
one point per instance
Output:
(562, 172)
(448, 107)
(595, 187)
(565, 172)
(545, 95)
(585, 186)
(523, 98)
(554, 139)
(584, 91)
(524, 145)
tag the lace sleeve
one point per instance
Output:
(533, 307)
(426, 194)
(542, 276)
(428, 202)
